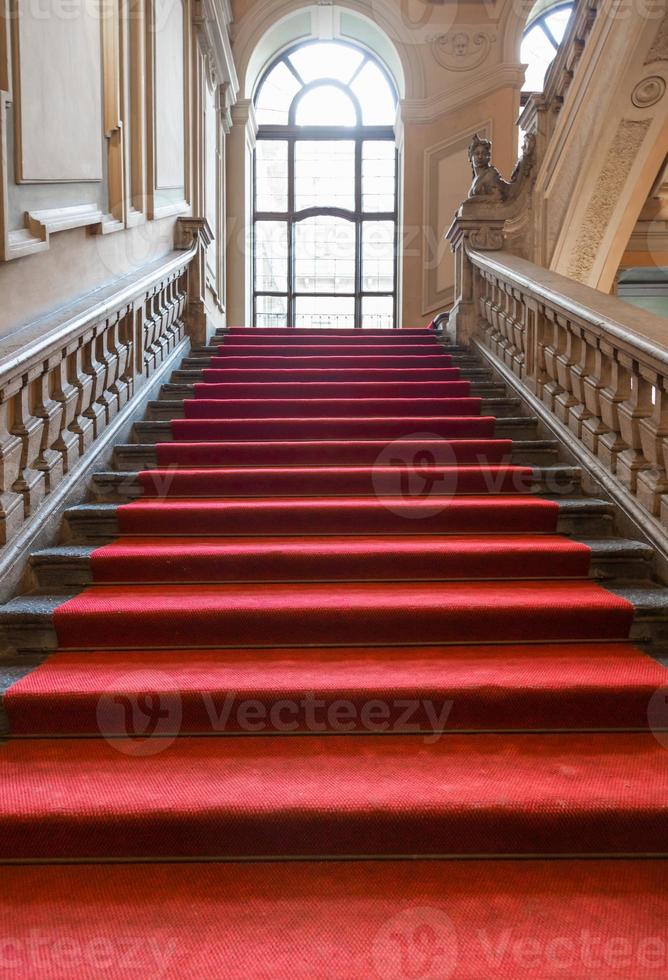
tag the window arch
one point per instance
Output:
(544, 32)
(325, 190)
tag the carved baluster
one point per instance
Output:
(31, 481)
(652, 486)
(597, 378)
(552, 349)
(82, 425)
(543, 338)
(578, 411)
(65, 393)
(96, 369)
(565, 361)
(611, 443)
(162, 339)
(519, 334)
(12, 504)
(107, 355)
(51, 412)
(150, 333)
(635, 407)
(117, 359)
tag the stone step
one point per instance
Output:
(500, 407)
(530, 452)
(473, 374)
(200, 357)
(509, 427)
(483, 389)
(26, 623)
(121, 486)
(613, 560)
(586, 518)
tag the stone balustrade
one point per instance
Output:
(63, 381)
(598, 364)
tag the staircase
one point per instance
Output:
(340, 601)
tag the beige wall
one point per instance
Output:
(112, 124)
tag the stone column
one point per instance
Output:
(240, 146)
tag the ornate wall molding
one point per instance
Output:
(620, 158)
(483, 83)
(648, 92)
(462, 49)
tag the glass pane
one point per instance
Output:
(558, 22)
(378, 312)
(271, 311)
(326, 60)
(378, 163)
(325, 311)
(325, 255)
(324, 174)
(326, 105)
(375, 95)
(378, 256)
(537, 53)
(271, 256)
(271, 175)
(275, 96)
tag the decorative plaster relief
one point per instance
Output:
(607, 192)
(648, 92)
(461, 50)
(659, 48)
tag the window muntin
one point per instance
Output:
(544, 33)
(325, 190)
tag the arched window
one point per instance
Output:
(325, 190)
(543, 34)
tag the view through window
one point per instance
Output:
(325, 191)
(546, 26)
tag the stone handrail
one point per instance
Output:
(63, 380)
(597, 363)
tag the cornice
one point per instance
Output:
(429, 109)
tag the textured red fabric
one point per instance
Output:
(284, 559)
(444, 427)
(338, 349)
(328, 452)
(372, 515)
(301, 408)
(356, 795)
(357, 613)
(285, 359)
(403, 481)
(286, 374)
(309, 572)
(334, 389)
(523, 686)
(435, 920)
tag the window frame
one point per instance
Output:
(358, 134)
(540, 21)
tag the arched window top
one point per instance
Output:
(544, 32)
(326, 83)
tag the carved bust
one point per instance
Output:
(487, 180)
(488, 183)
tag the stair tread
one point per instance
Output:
(488, 794)
(473, 688)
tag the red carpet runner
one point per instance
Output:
(338, 624)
